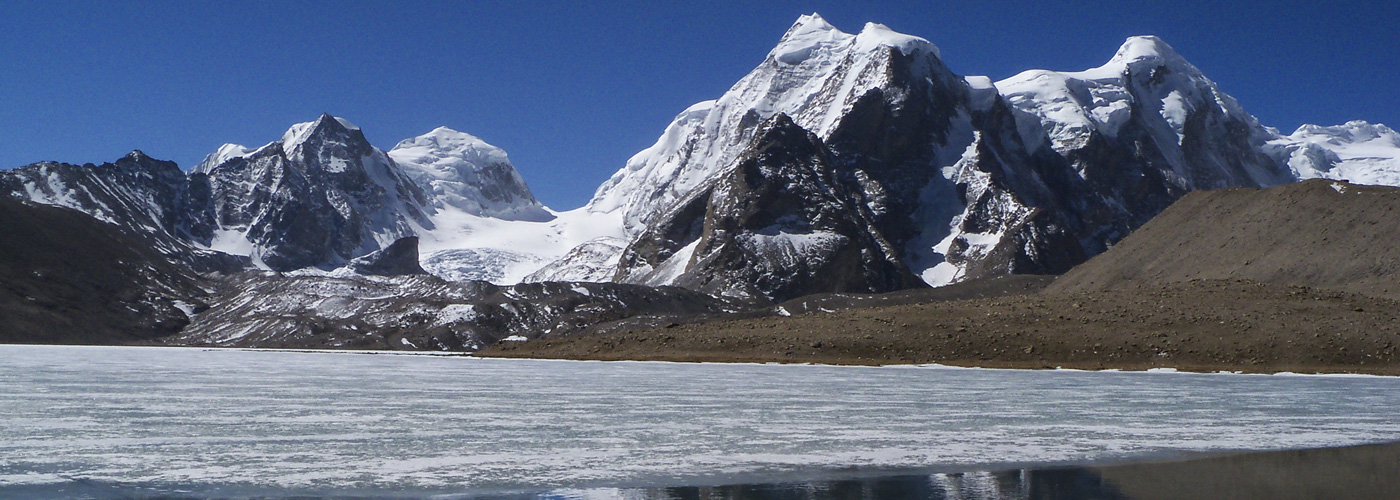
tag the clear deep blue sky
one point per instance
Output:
(571, 90)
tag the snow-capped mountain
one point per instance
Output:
(1095, 154)
(321, 196)
(318, 197)
(136, 191)
(486, 225)
(462, 172)
(827, 82)
(1356, 152)
(1147, 93)
(815, 75)
(474, 216)
(950, 178)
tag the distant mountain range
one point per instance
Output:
(842, 163)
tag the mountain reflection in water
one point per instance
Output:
(1358, 472)
(1361, 472)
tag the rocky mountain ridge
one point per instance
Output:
(842, 163)
(319, 197)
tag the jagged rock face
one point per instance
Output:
(147, 197)
(894, 136)
(136, 191)
(317, 198)
(780, 224)
(465, 173)
(421, 312)
(400, 258)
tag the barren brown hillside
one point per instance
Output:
(1315, 233)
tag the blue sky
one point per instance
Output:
(571, 90)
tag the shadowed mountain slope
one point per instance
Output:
(67, 278)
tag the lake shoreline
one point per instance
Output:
(1197, 326)
(547, 353)
(965, 364)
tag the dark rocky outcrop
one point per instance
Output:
(780, 224)
(398, 259)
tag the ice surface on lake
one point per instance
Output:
(174, 420)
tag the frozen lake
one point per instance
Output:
(152, 421)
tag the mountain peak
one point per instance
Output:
(811, 32)
(444, 142)
(1144, 46)
(293, 137)
(804, 38)
(468, 173)
(810, 23)
(876, 34)
(326, 123)
(1138, 53)
(449, 137)
(139, 160)
(225, 153)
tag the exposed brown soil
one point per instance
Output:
(1297, 278)
(1314, 233)
(829, 302)
(1198, 326)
